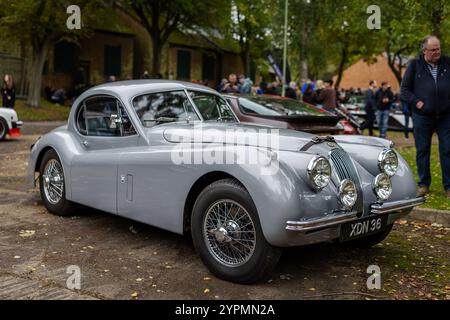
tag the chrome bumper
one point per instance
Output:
(341, 217)
(17, 124)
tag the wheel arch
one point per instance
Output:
(199, 185)
(41, 155)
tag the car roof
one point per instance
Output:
(130, 88)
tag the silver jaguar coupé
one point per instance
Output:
(173, 155)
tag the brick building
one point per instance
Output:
(360, 73)
(119, 45)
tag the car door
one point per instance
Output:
(149, 181)
(103, 131)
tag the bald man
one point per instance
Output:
(426, 89)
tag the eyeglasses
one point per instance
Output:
(434, 50)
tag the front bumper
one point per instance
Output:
(395, 209)
(17, 124)
(15, 130)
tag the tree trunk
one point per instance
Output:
(39, 55)
(436, 19)
(304, 72)
(157, 53)
(245, 57)
(397, 71)
(341, 66)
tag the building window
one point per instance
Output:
(64, 57)
(113, 61)
(183, 65)
(208, 67)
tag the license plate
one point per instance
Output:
(363, 227)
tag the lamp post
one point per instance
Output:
(283, 89)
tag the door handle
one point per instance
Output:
(85, 144)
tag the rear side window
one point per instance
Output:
(104, 116)
(156, 108)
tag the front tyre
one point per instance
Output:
(227, 234)
(52, 186)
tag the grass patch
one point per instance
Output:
(437, 198)
(46, 112)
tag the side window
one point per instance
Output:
(212, 107)
(156, 108)
(104, 116)
(95, 117)
(127, 125)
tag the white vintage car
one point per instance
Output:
(9, 123)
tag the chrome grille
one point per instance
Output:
(345, 169)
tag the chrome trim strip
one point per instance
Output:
(396, 205)
(321, 222)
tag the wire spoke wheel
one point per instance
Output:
(53, 181)
(229, 233)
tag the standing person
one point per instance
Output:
(319, 87)
(245, 84)
(370, 107)
(231, 86)
(291, 90)
(310, 95)
(327, 96)
(426, 88)
(146, 75)
(384, 98)
(8, 92)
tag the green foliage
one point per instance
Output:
(46, 112)
(437, 198)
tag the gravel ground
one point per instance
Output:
(123, 259)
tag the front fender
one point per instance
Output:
(64, 145)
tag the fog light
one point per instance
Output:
(347, 193)
(382, 186)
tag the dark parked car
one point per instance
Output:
(287, 113)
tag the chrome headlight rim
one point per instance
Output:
(384, 168)
(378, 190)
(343, 185)
(312, 165)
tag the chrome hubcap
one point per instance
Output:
(53, 181)
(229, 233)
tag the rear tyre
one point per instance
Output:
(369, 241)
(227, 234)
(52, 185)
(3, 129)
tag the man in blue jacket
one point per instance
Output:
(426, 88)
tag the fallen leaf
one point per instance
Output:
(286, 277)
(26, 233)
(132, 230)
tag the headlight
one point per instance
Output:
(319, 172)
(347, 193)
(382, 186)
(388, 162)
